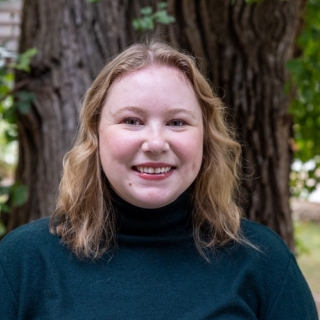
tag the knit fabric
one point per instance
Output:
(155, 272)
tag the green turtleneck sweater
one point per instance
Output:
(154, 273)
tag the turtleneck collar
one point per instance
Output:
(171, 222)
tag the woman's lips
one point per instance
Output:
(153, 171)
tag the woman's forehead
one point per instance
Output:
(152, 89)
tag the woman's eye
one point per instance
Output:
(176, 123)
(132, 121)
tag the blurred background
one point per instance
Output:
(262, 58)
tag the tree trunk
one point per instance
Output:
(74, 40)
(242, 49)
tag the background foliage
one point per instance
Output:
(13, 100)
(149, 18)
(305, 107)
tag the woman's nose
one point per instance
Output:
(155, 143)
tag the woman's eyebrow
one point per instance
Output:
(181, 110)
(130, 108)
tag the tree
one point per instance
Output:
(242, 47)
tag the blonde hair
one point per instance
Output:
(84, 216)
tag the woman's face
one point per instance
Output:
(151, 136)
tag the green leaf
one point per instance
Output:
(4, 89)
(296, 67)
(149, 25)
(2, 227)
(162, 17)
(3, 71)
(23, 62)
(4, 190)
(136, 24)
(147, 22)
(162, 5)
(146, 11)
(23, 101)
(18, 194)
(4, 208)
(10, 115)
(11, 135)
(9, 76)
(23, 107)
(307, 94)
(25, 96)
(315, 33)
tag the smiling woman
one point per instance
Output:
(147, 225)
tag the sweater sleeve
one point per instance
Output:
(294, 300)
(8, 301)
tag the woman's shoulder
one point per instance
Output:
(30, 229)
(277, 274)
(265, 239)
(28, 236)
(261, 248)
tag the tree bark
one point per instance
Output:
(74, 40)
(241, 48)
(244, 49)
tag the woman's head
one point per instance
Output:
(151, 136)
(85, 202)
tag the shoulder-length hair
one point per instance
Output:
(84, 216)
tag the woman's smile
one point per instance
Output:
(154, 171)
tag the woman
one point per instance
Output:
(146, 225)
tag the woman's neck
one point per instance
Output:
(168, 222)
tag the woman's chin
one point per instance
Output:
(152, 202)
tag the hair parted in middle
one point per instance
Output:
(84, 216)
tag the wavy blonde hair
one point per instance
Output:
(84, 216)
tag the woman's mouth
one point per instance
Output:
(152, 170)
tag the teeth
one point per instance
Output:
(151, 170)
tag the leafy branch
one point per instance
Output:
(13, 101)
(150, 18)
